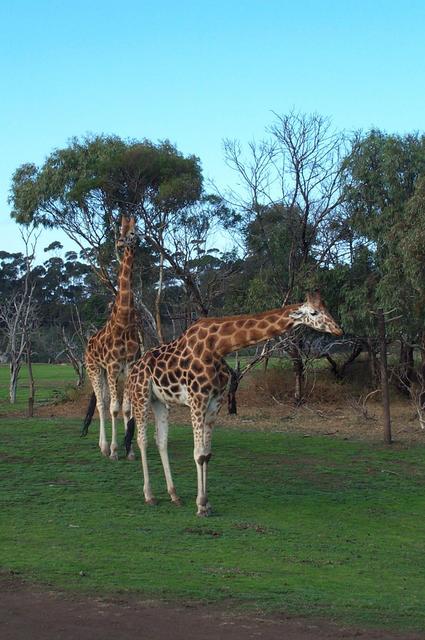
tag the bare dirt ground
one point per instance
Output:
(343, 417)
(31, 612)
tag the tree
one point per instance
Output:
(298, 170)
(294, 176)
(18, 318)
(86, 187)
(74, 346)
(383, 183)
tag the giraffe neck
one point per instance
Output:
(123, 310)
(235, 332)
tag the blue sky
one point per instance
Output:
(196, 72)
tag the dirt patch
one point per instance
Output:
(29, 611)
(338, 418)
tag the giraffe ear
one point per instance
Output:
(124, 225)
(314, 298)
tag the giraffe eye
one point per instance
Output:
(314, 313)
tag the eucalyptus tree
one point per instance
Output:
(86, 187)
(383, 177)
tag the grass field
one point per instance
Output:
(303, 525)
(51, 381)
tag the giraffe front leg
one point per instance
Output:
(114, 409)
(201, 461)
(202, 455)
(203, 422)
(103, 441)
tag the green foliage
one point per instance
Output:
(362, 247)
(382, 174)
(273, 252)
(145, 174)
(103, 174)
(84, 188)
(412, 241)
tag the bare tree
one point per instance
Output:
(74, 345)
(183, 240)
(18, 316)
(297, 170)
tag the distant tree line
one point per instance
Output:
(314, 208)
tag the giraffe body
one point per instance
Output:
(191, 371)
(115, 347)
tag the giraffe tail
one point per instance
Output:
(89, 415)
(129, 434)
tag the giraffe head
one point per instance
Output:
(314, 314)
(128, 235)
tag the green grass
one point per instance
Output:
(311, 526)
(52, 381)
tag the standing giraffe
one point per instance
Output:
(113, 349)
(191, 371)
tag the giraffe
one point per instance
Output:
(191, 371)
(113, 349)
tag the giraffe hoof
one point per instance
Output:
(105, 451)
(174, 497)
(113, 456)
(204, 511)
(131, 456)
(151, 502)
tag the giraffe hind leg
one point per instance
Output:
(161, 436)
(140, 404)
(98, 381)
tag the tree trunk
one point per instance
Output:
(373, 364)
(384, 376)
(235, 378)
(158, 300)
(299, 380)
(31, 396)
(81, 375)
(334, 366)
(339, 371)
(406, 364)
(232, 406)
(298, 367)
(422, 371)
(13, 383)
(356, 351)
